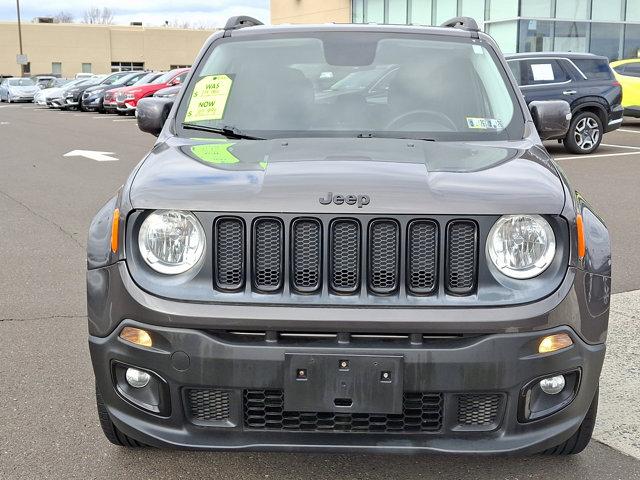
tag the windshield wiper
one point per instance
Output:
(391, 135)
(227, 131)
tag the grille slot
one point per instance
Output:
(264, 410)
(422, 267)
(384, 253)
(229, 253)
(479, 410)
(306, 255)
(462, 261)
(268, 245)
(208, 406)
(345, 256)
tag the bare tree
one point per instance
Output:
(63, 17)
(96, 15)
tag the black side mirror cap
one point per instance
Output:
(551, 118)
(152, 112)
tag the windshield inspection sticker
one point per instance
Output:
(209, 98)
(484, 123)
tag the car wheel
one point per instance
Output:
(579, 440)
(110, 431)
(585, 133)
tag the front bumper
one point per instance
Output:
(489, 365)
(487, 360)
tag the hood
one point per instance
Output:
(399, 176)
(23, 89)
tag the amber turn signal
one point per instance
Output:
(115, 223)
(582, 247)
(552, 343)
(136, 336)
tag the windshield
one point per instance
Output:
(164, 78)
(380, 84)
(148, 78)
(21, 82)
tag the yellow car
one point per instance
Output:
(627, 72)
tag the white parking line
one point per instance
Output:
(125, 120)
(627, 130)
(619, 146)
(588, 157)
(100, 116)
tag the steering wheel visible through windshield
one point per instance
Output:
(381, 84)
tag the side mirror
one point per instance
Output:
(551, 118)
(152, 113)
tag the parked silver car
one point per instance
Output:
(17, 89)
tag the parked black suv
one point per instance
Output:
(402, 272)
(584, 80)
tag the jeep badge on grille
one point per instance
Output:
(359, 200)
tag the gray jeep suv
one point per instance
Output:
(394, 266)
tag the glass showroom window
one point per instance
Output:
(605, 40)
(445, 9)
(571, 37)
(633, 11)
(86, 68)
(572, 9)
(420, 12)
(397, 12)
(358, 11)
(535, 36)
(506, 34)
(473, 9)
(537, 8)
(607, 10)
(374, 11)
(56, 68)
(631, 41)
(502, 9)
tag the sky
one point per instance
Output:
(210, 13)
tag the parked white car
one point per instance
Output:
(16, 89)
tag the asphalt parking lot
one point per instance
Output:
(48, 423)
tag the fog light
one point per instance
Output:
(550, 385)
(551, 343)
(137, 336)
(138, 379)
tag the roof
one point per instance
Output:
(571, 55)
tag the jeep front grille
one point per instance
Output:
(345, 257)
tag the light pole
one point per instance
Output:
(20, 36)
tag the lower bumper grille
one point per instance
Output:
(264, 410)
(208, 406)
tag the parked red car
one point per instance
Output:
(127, 98)
(110, 105)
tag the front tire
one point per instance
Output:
(585, 133)
(110, 431)
(579, 440)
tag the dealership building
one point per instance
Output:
(66, 49)
(604, 27)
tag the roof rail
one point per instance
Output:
(241, 21)
(463, 23)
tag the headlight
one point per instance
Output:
(521, 246)
(171, 241)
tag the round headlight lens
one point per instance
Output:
(171, 241)
(521, 246)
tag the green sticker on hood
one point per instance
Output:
(217, 153)
(209, 98)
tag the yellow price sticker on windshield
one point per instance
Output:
(209, 98)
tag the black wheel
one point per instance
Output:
(579, 440)
(585, 133)
(112, 433)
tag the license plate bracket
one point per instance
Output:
(343, 383)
